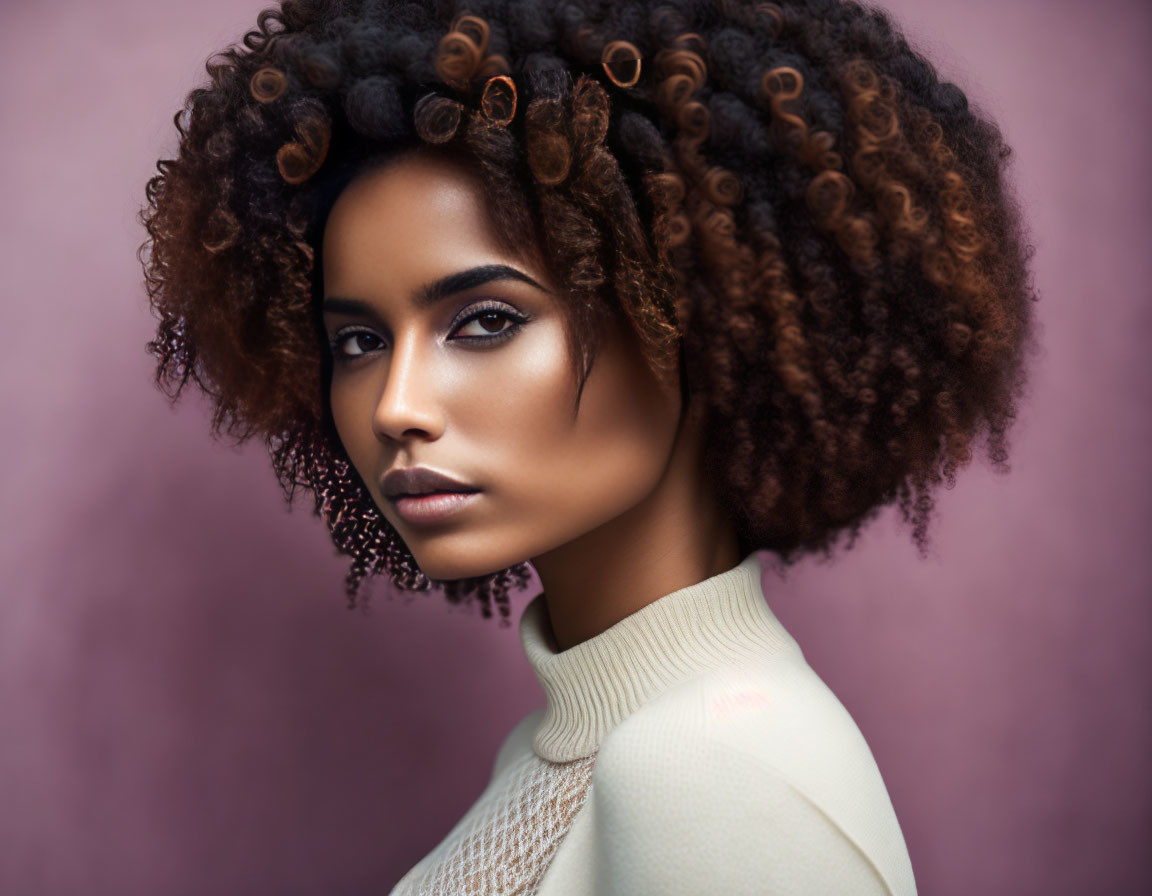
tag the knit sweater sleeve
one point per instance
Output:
(684, 808)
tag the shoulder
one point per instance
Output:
(746, 781)
(777, 714)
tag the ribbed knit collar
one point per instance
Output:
(595, 685)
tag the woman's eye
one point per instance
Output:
(354, 343)
(487, 324)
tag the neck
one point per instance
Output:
(677, 536)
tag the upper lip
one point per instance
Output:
(420, 481)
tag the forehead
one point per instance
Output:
(413, 206)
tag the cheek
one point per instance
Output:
(353, 402)
(347, 416)
(562, 475)
(620, 444)
(352, 406)
(514, 404)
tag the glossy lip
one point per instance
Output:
(422, 495)
(432, 508)
(420, 481)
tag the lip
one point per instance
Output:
(420, 481)
(432, 508)
(423, 495)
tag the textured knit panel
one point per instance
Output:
(504, 843)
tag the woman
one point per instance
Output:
(632, 292)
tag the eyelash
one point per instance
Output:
(517, 320)
(476, 312)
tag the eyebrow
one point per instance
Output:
(440, 289)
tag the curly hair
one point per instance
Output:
(783, 199)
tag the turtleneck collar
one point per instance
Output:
(595, 685)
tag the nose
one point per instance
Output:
(408, 407)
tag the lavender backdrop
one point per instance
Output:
(187, 708)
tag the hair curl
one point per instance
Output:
(783, 198)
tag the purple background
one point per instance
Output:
(187, 708)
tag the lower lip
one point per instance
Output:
(434, 507)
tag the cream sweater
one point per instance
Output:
(687, 750)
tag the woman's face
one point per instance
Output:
(449, 354)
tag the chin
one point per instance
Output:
(447, 559)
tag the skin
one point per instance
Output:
(607, 500)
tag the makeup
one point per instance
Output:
(425, 496)
(435, 507)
